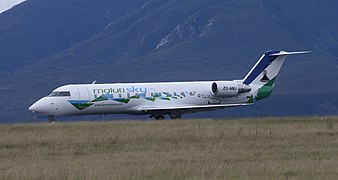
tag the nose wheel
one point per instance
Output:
(51, 118)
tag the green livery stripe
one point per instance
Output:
(251, 99)
(123, 100)
(266, 90)
(135, 97)
(101, 98)
(150, 99)
(81, 106)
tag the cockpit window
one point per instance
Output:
(53, 94)
(64, 93)
(59, 94)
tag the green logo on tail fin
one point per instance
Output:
(265, 91)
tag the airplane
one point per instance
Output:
(165, 98)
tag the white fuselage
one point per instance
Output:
(131, 98)
(159, 99)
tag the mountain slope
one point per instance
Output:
(37, 29)
(197, 40)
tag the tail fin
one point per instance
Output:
(267, 67)
(264, 73)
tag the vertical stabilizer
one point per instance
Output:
(263, 74)
(267, 67)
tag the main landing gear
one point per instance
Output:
(162, 117)
(159, 117)
(176, 116)
(51, 118)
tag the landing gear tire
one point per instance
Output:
(176, 117)
(51, 119)
(159, 117)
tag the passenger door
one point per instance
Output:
(83, 93)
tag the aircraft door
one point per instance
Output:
(74, 93)
(83, 93)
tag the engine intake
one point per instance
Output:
(228, 88)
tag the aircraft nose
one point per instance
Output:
(43, 106)
(33, 108)
(38, 107)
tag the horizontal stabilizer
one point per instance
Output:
(281, 53)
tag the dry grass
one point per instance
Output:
(268, 148)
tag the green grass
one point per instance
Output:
(267, 148)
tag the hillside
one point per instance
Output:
(169, 41)
(37, 29)
(269, 148)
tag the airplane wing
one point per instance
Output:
(189, 109)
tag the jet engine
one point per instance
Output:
(228, 88)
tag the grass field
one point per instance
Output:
(262, 148)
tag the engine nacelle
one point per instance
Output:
(228, 88)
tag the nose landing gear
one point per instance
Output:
(51, 118)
